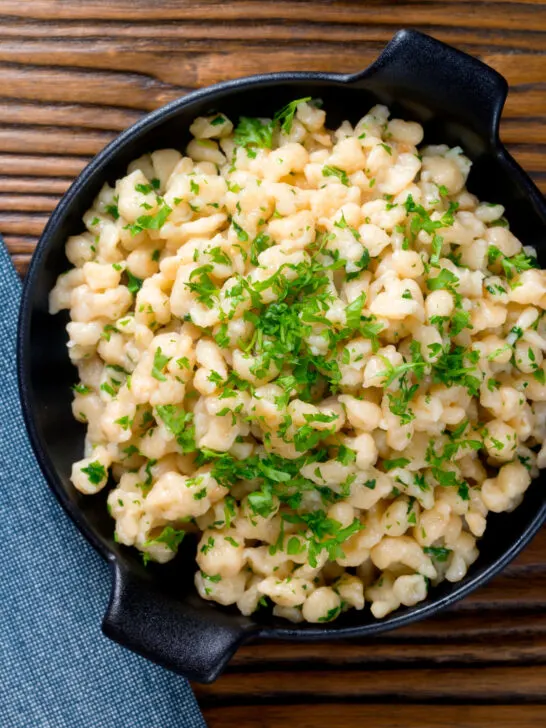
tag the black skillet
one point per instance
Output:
(155, 611)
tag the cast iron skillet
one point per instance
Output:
(155, 611)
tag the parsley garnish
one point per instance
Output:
(396, 463)
(329, 171)
(95, 472)
(511, 266)
(451, 368)
(445, 279)
(171, 537)
(242, 235)
(260, 243)
(251, 132)
(353, 312)
(151, 222)
(112, 210)
(81, 388)
(438, 553)
(202, 285)
(160, 362)
(180, 424)
(331, 614)
(285, 117)
(134, 284)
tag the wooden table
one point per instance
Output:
(73, 74)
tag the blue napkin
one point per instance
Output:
(57, 670)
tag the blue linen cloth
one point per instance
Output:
(57, 670)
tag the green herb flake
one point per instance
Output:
(242, 235)
(511, 265)
(95, 472)
(331, 614)
(438, 553)
(445, 279)
(285, 117)
(124, 422)
(81, 388)
(180, 424)
(354, 310)
(251, 132)
(112, 210)
(329, 171)
(160, 362)
(134, 284)
(214, 578)
(151, 222)
(395, 463)
(171, 537)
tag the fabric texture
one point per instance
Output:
(57, 669)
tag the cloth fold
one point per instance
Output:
(57, 669)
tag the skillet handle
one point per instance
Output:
(187, 639)
(418, 68)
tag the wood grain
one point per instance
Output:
(377, 716)
(72, 76)
(468, 683)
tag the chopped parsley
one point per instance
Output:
(134, 284)
(511, 266)
(95, 472)
(171, 537)
(160, 362)
(112, 210)
(395, 463)
(250, 133)
(242, 235)
(330, 615)
(180, 424)
(329, 171)
(260, 243)
(438, 553)
(151, 222)
(81, 388)
(253, 133)
(202, 285)
(285, 117)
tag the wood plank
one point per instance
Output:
(487, 684)
(432, 13)
(35, 185)
(452, 625)
(313, 715)
(33, 165)
(21, 263)
(365, 654)
(508, 591)
(39, 140)
(514, 131)
(31, 203)
(20, 244)
(201, 58)
(27, 224)
(71, 115)
(208, 29)
(73, 85)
